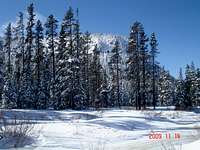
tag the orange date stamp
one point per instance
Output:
(167, 136)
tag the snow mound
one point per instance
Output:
(111, 129)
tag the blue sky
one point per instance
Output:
(176, 22)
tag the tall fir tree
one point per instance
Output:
(61, 72)
(8, 50)
(79, 95)
(28, 89)
(135, 63)
(104, 91)
(66, 63)
(197, 91)
(190, 74)
(2, 72)
(180, 89)
(51, 34)
(144, 64)
(193, 79)
(39, 67)
(116, 71)
(61, 83)
(153, 52)
(46, 81)
(17, 79)
(166, 88)
(18, 39)
(96, 77)
(9, 88)
(85, 62)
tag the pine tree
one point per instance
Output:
(63, 73)
(66, 63)
(46, 81)
(197, 91)
(179, 103)
(153, 52)
(190, 88)
(104, 91)
(28, 89)
(61, 81)
(38, 70)
(116, 70)
(18, 39)
(95, 77)
(51, 34)
(166, 88)
(134, 63)
(79, 94)
(193, 78)
(8, 49)
(17, 79)
(2, 72)
(85, 62)
(69, 51)
(9, 88)
(188, 101)
(144, 63)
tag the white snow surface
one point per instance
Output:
(106, 42)
(111, 129)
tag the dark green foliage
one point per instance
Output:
(68, 71)
(115, 72)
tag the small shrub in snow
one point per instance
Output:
(99, 145)
(169, 145)
(14, 131)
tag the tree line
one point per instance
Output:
(43, 68)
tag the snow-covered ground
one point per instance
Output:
(112, 129)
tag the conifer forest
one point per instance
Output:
(55, 65)
(63, 87)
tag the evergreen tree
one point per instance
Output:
(193, 78)
(66, 62)
(79, 95)
(51, 34)
(116, 70)
(190, 74)
(17, 79)
(134, 62)
(28, 89)
(46, 81)
(85, 62)
(61, 83)
(179, 103)
(8, 50)
(166, 88)
(197, 91)
(104, 91)
(18, 39)
(9, 88)
(64, 73)
(95, 77)
(39, 60)
(153, 52)
(144, 61)
(2, 72)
